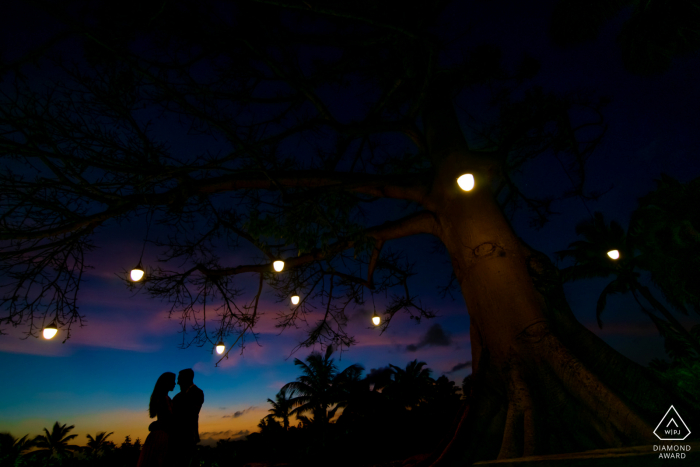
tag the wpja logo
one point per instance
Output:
(672, 428)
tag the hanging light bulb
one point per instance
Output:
(376, 319)
(220, 347)
(50, 330)
(295, 298)
(137, 273)
(614, 254)
(466, 182)
(278, 265)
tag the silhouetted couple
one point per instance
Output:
(174, 435)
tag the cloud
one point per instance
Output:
(222, 408)
(204, 368)
(211, 442)
(459, 366)
(121, 333)
(266, 351)
(115, 321)
(435, 336)
(225, 434)
(241, 434)
(240, 413)
(209, 438)
(14, 343)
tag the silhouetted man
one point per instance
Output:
(186, 406)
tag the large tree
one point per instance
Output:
(317, 132)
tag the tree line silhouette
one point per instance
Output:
(388, 414)
(54, 448)
(391, 413)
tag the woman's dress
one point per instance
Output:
(155, 450)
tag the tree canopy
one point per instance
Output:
(273, 127)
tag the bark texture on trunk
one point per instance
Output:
(543, 383)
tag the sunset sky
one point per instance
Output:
(101, 379)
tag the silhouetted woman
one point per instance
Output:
(155, 449)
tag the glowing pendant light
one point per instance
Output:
(614, 254)
(220, 347)
(137, 273)
(375, 317)
(278, 265)
(50, 330)
(466, 182)
(295, 298)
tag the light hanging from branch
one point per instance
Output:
(375, 317)
(50, 330)
(466, 182)
(220, 347)
(278, 265)
(295, 298)
(137, 273)
(614, 254)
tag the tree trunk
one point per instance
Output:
(543, 383)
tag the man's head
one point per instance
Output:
(185, 378)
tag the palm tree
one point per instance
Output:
(97, 445)
(591, 260)
(666, 230)
(12, 449)
(55, 443)
(321, 390)
(281, 407)
(268, 423)
(411, 385)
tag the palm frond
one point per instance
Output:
(614, 287)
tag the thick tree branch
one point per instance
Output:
(401, 187)
(421, 222)
(410, 187)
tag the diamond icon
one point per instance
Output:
(672, 427)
